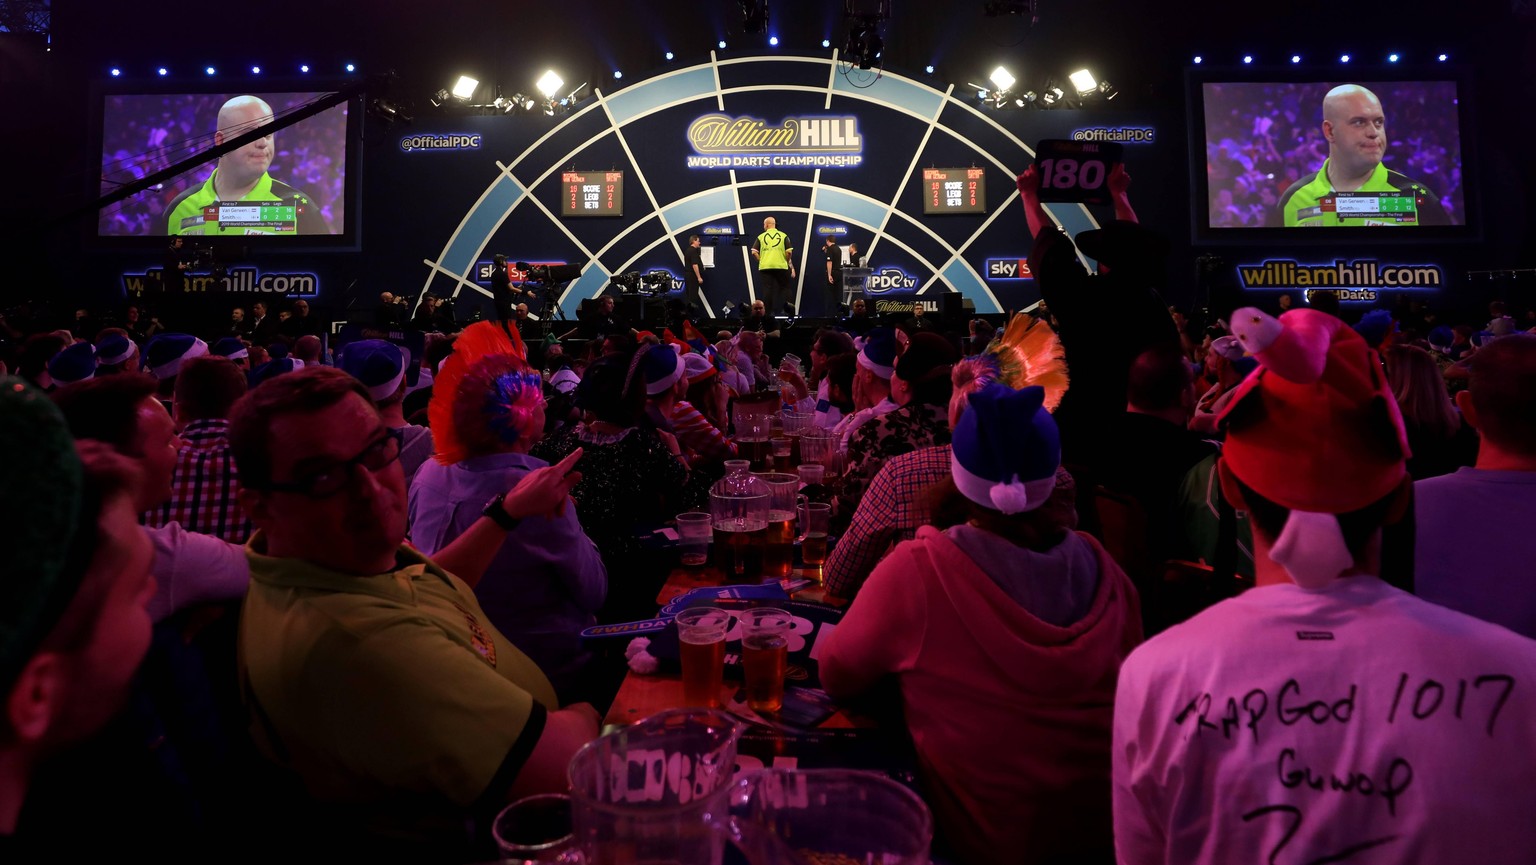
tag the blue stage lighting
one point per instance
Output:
(1247, 58)
(669, 55)
(1391, 58)
(1295, 58)
(304, 68)
(721, 45)
(928, 69)
(209, 70)
(162, 72)
(1344, 59)
(116, 72)
(773, 40)
(255, 70)
(351, 67)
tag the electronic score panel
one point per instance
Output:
(592, 193)
(954, 190)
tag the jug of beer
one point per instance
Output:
(807, 817)
(740, 504)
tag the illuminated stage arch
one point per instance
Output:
(621, 116)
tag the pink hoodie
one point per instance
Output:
(1010, 715)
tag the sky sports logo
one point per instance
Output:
(1008, 268)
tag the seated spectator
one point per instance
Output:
(205, 486)
(72, 625)
(380, 366)
(73, 363)
(920, 388)
(36, 352)
(707, 394)
(371, 672)
(666, 377)
(115, 352)
(307, 348)
(232, 349)
(546, 581)
(122, 411)
(1438, 438)
(1216, 757)
(752, 361)
(632, 473)
(1470, 543)
(1004, 633)
(815, 395)
(163, 357)
(871, 384)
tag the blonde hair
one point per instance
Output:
(1420, 390)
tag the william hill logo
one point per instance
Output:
(1361, 274)
(720, 133)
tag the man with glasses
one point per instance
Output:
(370, 671)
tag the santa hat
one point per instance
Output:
(1315, 430)
(698, 368)
(564, 380)
(1442, 338)
(1229, 347)
(165, 353)
(878, 354)
(75, 363)
(662, 367)
(115, 349)
(231, 347)
(1006, 449)
(379, 365)
(274, 368)
(1375, 326)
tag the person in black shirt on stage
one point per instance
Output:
(693, 273)
(834, 287)
(501, 291)
(173, 269)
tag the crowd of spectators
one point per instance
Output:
(1113, 580)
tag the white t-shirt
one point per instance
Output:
(192, 569)
(1352, 724)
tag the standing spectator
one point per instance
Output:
(264, 327)
(1004, 633)
(205, 485)
(1471, 549)
(1353, 675)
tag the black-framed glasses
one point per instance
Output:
(329, 480)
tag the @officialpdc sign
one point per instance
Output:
(1076, 171)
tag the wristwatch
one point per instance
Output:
(498, 514)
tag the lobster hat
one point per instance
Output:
(75, 363)
(115, 349)
(662, 367)
(1006, 449)
(1316, 430)
(878, 354)
(166, 352)
(231, 347)
(379, 365)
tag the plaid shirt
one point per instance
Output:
(891, 511)
(203, 491)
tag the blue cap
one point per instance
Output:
(230, 347)
(75, 363)
(879, 352)
(379, 365)
(115, 349)
(165, 353)
(1006, 449)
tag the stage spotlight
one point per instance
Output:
(865, 46)
(928, 69)
(549, 84)
(773, 40)
(1295, 58)
(1003, 78)
(720, 44)
(523, 101)
(826, 43)
(255, 70)
(1027, 98)
(440, 98)
(388, 112)
(1391, 58)
(617, 75)
(1108, 91)
(162, 71)
(981, 94)
(209, 70)
(351, 67)
(1247, 58)
(669, 55)
(304, 69)
(464, 88)
(116, 72)
(1052, 96)
(1344, 59)
(1199, 59)
(1443, 58)
(1083, 82)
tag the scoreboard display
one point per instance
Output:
(592, 193)
(954, 190)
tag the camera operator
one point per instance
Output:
(174, 267)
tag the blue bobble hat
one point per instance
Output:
(379, 365)
(230, 347)
(115, 349)
(662, 367)
(1374, 327)
(166, 352)
(75, 363)
(274, 368)
(879, 352)
(1006, 449)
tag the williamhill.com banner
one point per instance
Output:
(1353, 280)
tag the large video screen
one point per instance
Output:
(292, 182)
(1333, 154)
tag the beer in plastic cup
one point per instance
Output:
(701, 644)
(695, 529)
(764, 655)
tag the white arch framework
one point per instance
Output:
(468, 241)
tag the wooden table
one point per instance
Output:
(643, 695)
